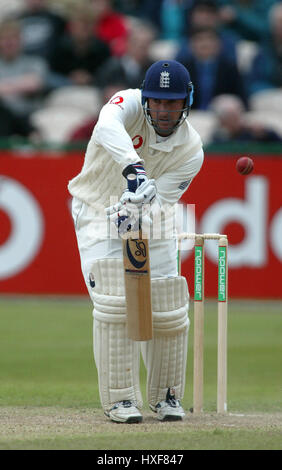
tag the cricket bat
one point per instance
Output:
(137, 278)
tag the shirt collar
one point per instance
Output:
(174, 140)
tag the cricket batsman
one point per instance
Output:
(145, 132)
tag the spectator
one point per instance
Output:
(246, 18)
(10, 9)
(172, 18)
(232, 124)
(84, 132)
(205, 14)
(266, 69)
(12, 125)
(151, 11)
(110, 26)
(79, 54)
(41, 28)
(209, 69)
(22, 77)
(131, 67)
(130, 7)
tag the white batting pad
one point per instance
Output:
(117, 357)
(166, 354)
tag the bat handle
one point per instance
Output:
(132, 182)
(132, 186)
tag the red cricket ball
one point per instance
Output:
(244, 165)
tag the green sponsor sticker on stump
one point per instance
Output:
(222, 274)
(198, 294)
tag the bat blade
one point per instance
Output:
(137, 277)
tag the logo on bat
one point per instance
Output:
(139, 251)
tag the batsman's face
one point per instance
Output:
(165, 114)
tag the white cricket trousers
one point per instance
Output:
(116, 356)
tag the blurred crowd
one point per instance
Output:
(61, 60)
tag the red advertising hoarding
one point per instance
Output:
(38, 251)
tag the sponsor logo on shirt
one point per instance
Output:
(137, 141)
(117, 100)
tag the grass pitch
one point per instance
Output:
(49, 393)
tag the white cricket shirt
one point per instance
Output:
(123, 136)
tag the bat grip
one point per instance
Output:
(132, 182)
(132, 186)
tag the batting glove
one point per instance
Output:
(130, 219)
(144, 194)
(138, 170)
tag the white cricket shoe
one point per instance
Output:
(169, 409)
(124, 412)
